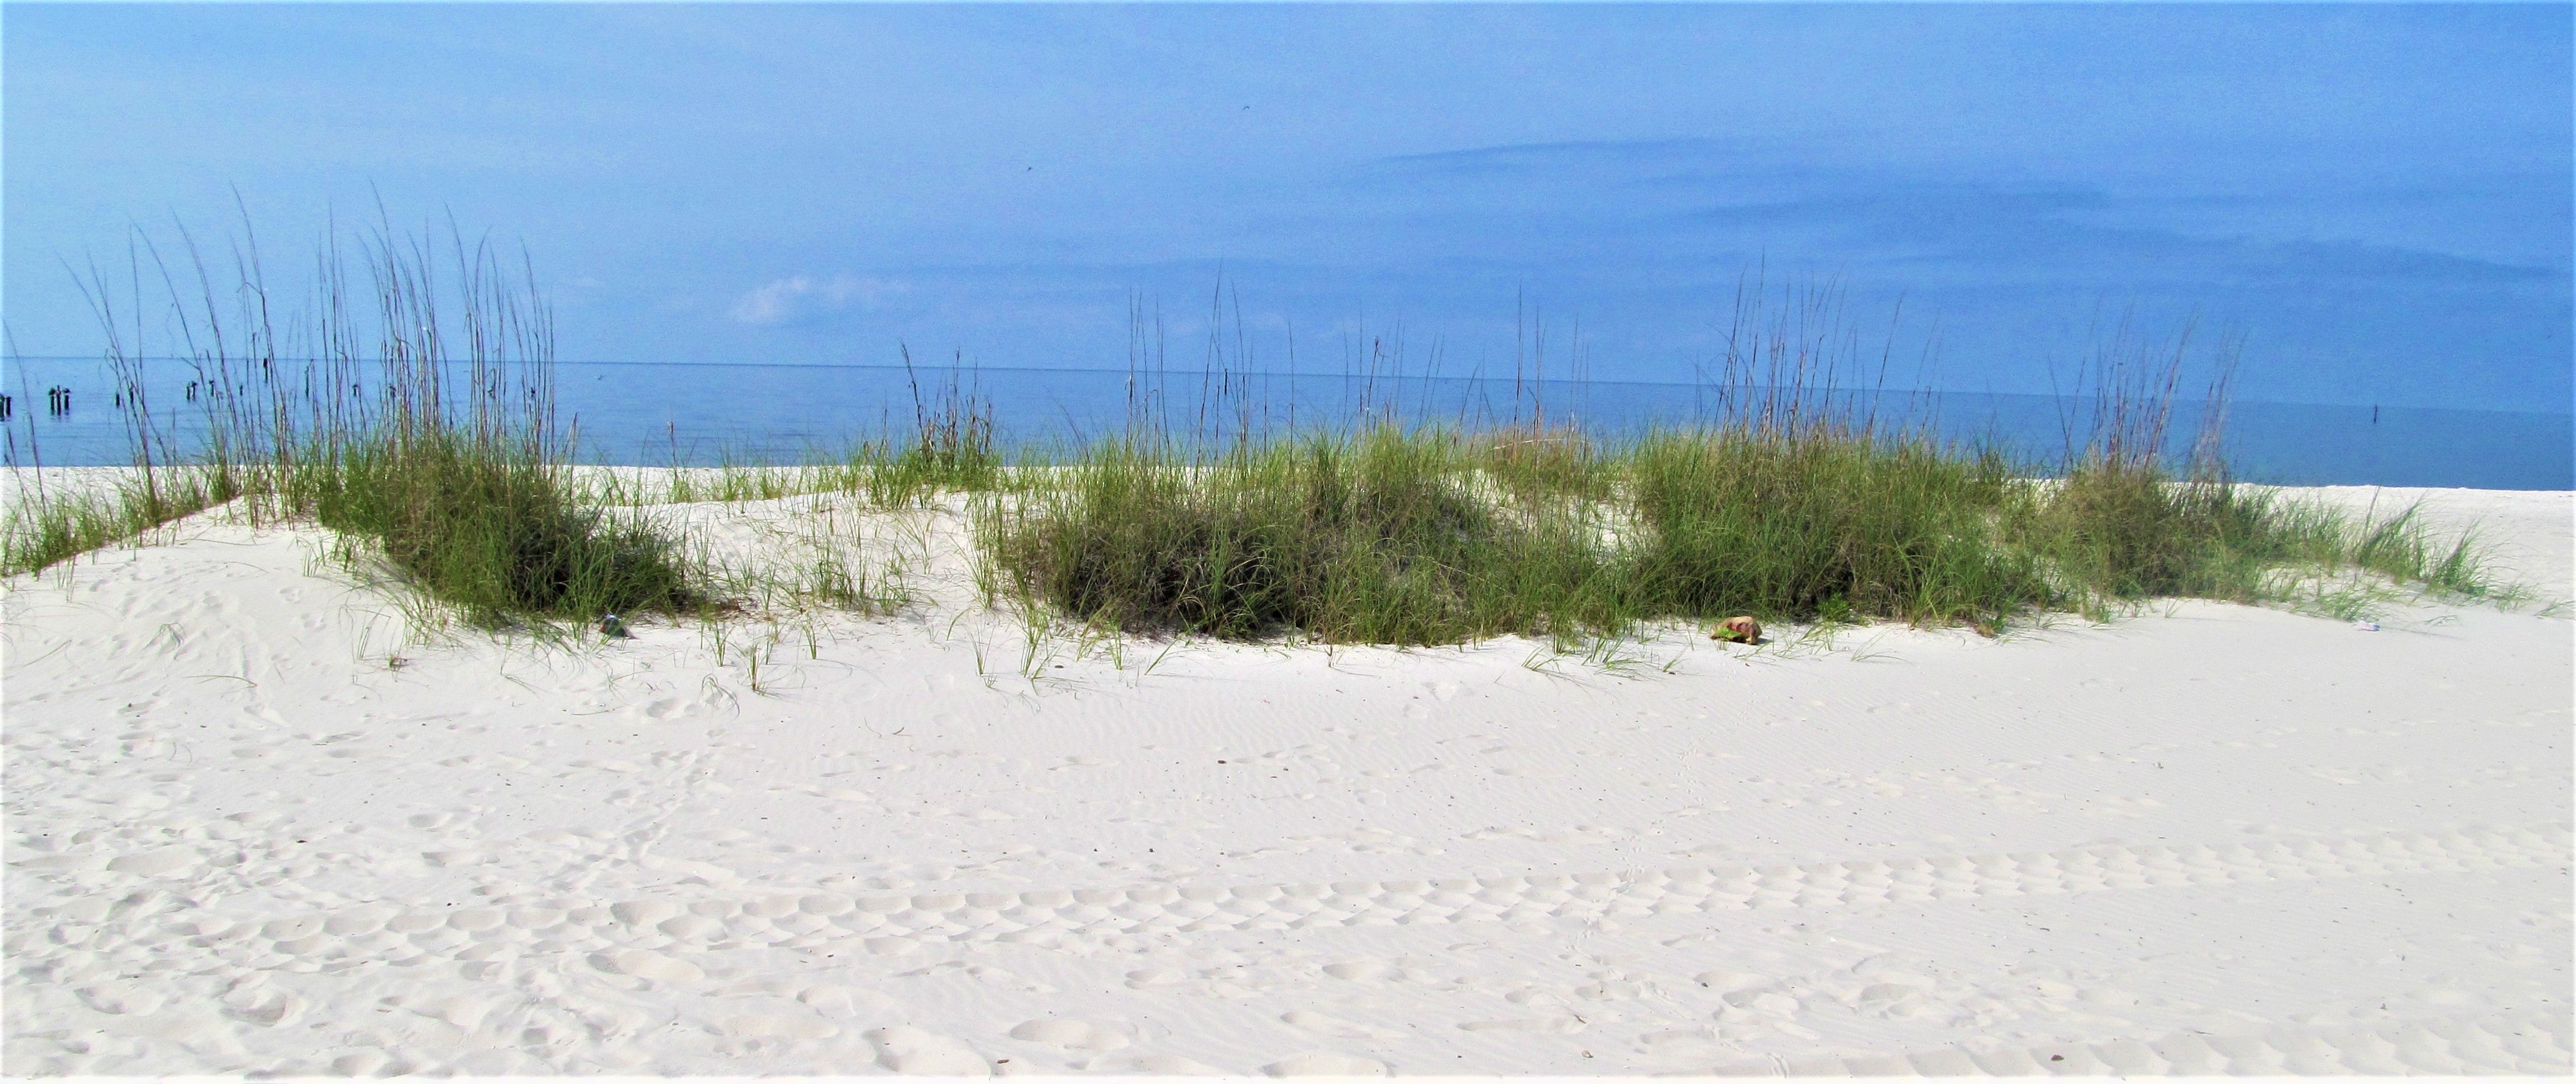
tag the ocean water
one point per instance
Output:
(662, 413)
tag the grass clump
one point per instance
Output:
(495, 532)
(952, 448)
(1791, 503)
(1375, 538)
(1821, 522)
(437, 447)
(40, 529)
(1536, 464)
(1424, 537)
(2129, 531)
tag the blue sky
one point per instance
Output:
(2379, 197)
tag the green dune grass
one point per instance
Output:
(453, 473)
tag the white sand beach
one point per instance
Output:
(256, 824)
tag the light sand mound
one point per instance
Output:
(242, 838)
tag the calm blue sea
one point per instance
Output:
(660, 413)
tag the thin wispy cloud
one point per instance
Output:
(784, 299)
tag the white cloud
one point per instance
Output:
(792, 296)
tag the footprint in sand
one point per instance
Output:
(1374, 971)
(642, 913)
(831, 1000)
(645, 964)
(1726, 982)
(1067, 1034)
(776, 1026)
(463, 1012)
(914, 1051)
(1157, 978)
(252, 1001)
(457, 857)
(1550, 1025)
(1324, 1063)
(1335, 1026)
(983, 973)
(1175, 1065)
(1368, 971)
(365, 1063)
(156, 863)
(121, 999)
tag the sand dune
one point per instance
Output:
(259, 822)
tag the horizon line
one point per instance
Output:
(2570, 412)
